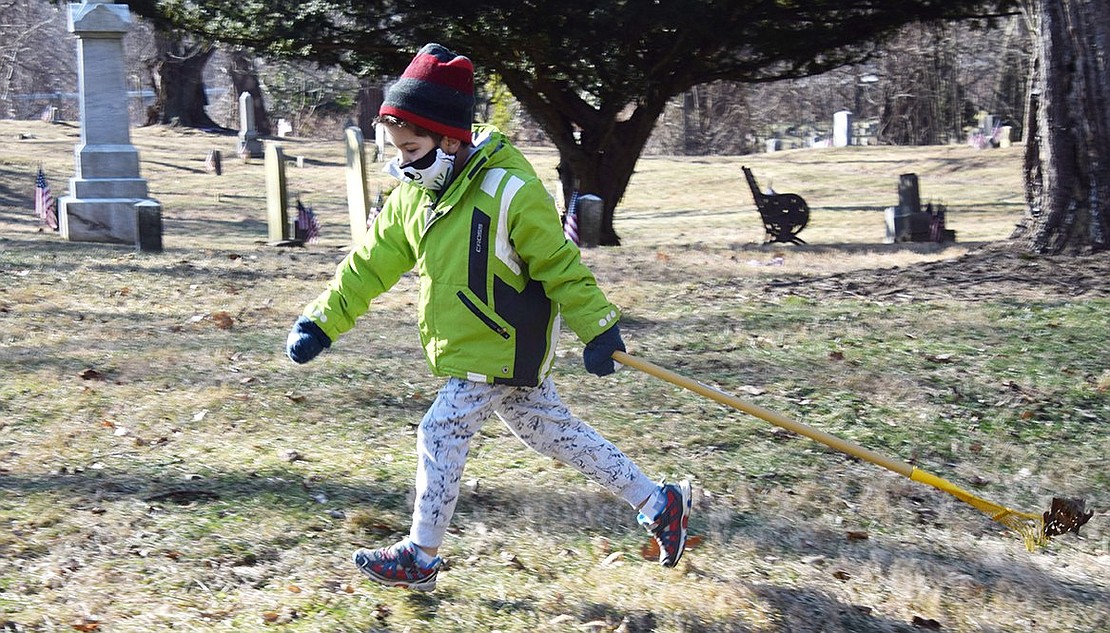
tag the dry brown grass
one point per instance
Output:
(199, 481)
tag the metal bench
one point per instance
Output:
(784, 214)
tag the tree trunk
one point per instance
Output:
(1067, 152)
(601, 157)
(177, 77)
(244, 78)
(371, 93)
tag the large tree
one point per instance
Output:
(595, 75)
(176, 75)
(1067, 151)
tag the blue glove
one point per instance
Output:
(598, 355)
(306, 340)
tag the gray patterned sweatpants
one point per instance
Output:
(537, 417)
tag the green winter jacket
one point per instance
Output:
(495, 271)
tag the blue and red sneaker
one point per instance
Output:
(669, 526)
(398, 566)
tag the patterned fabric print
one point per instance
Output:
(537, 417)
(540, 420)
(442, 445)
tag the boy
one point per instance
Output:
(497, 277)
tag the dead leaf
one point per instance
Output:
(857, 535)
(612, 559)
(223, 320)
(650, 549)
(841, 575)
(294, 397)
(925, 623)
(508, 559)
(836, 356)
(1066, 515)
(293, 589)
(90, 374)
(86, 625)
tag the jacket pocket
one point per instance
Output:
(482, 316)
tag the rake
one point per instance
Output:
(1065, 515)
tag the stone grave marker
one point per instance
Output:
(907, 222)
(589, 209)
(842, 129)
(277, 199)
(213, 163)
(249, 146)
(106, 194)
(358, 195)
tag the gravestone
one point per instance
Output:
(379, 143)
(842, 129)
(1005, 134)
(249, 145)
(277, 200)
(213, 163)
(148, 226)
(358, 195)
(907, 222)
(104, 191)
(589, 209)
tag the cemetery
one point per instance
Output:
(164, 466)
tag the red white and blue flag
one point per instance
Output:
(570, 223)
(308, 225)
(46, 207)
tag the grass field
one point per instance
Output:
(164, 466)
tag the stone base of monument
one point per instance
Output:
(112, 221)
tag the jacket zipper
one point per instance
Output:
(490, 323)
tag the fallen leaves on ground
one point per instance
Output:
(90, 374)
(650, 550)
(223, 320)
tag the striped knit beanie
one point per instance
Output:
(436, 92)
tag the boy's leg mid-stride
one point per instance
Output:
(540, 420)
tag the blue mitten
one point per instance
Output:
(598, 355)
(306, 340)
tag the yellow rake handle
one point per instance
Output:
(1010, 518)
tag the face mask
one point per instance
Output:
(431, 171)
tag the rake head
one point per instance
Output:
(1065, 515)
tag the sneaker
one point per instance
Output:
(397, 566)
(669, 527)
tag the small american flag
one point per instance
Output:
(308, 226)
(45, 205)
(570, 223)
